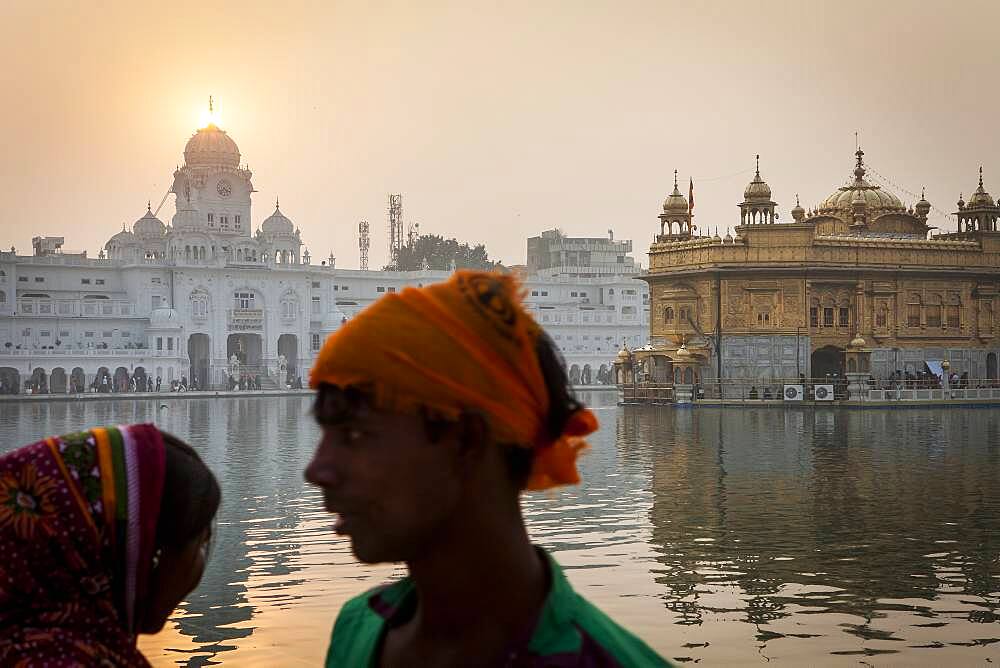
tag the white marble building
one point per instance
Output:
(207, 296)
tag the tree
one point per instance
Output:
(432, 251)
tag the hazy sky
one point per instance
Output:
(495, 120)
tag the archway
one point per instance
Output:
(10, 380)
(574, 374)
(288, 345)
(586, 376)
(103, 381)
(77, 380)
(199, 350)
(991, 366)
(248, 351)
(121, 379)
(602, 374)
(827, 361)
(140, 378)
(39, 381)
(57, 381)
(688, 376)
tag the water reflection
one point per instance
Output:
(718, 536)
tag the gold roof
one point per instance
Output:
(873, 196)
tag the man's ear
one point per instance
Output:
(473, 435)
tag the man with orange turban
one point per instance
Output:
(438, 407)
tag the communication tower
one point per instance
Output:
(364, 242)
(412, 232)
(395, 229)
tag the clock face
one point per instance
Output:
(224, 188)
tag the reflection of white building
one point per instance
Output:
(204, 296)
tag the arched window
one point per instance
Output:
(289, 306)
(934, 311)
(668, 315)
(913, 307)
(882, 316)
(199, 305)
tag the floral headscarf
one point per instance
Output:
(78, 520)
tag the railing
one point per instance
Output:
(89, 352)
(751, 389)
(73, 308)
(814, 389)
(647, 393)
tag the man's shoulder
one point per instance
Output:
(625, 648)
(360, 622)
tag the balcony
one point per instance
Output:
(246, 320)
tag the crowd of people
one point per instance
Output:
(458, 405)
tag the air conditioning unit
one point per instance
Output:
(793, 393)
(823, 392)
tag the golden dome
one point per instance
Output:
(757, 189)
(875, 199)
(980, 198)
(622, 354)
(676, 202)
(798, 213)
(858, 341)
(923, 207)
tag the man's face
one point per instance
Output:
(393, 488)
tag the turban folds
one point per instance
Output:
(464, 344)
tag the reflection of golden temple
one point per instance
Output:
(785, 300)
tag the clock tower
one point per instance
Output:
(212, 190)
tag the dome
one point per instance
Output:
(874, 198)
(757, 189)
(622, 355)
(858, 341)
(980, 198)
(277, 223)
(149, 225)
(212, 146)
(923, 207)
(798, 213)
(164, 318)
(676, 203)
(122, 238)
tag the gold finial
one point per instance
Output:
(980, 176)
(275, 202)
(758, 165)
(149, 205)
(675, 179)
(210, 109)
(797, 200)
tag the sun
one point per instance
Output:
(210, 116)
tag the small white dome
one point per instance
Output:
(277, 223)
(149, 226)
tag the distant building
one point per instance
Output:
(206, 298)
(555, 254)
(780, 299)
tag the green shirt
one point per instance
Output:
(569, 632)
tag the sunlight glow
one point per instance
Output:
(210, 115)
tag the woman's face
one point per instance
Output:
(177, 573)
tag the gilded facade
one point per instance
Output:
(783, 299)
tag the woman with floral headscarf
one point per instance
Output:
(102, 534)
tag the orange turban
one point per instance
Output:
(463, 344)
